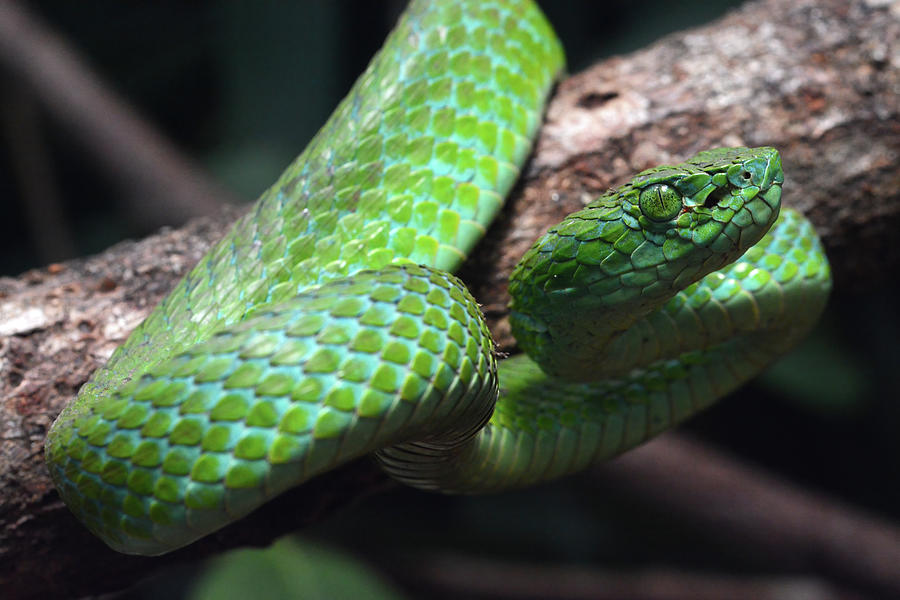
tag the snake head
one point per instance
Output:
(594, 274)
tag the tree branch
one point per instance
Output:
(165, 185)
(798, 529)
(462, 577)
(816, 79)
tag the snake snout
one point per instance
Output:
(765, 170)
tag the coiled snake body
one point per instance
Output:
(326, 324)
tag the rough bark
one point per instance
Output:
(818, 79)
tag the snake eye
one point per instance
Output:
(660, 202)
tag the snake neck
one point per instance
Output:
(591, 278)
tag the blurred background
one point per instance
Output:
(241, 87)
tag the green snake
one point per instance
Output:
(326, 324)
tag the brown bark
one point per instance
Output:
(816, 79)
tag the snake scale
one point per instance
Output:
(326, 325)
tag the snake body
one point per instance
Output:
(326, 325)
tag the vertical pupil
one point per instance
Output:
(656, 201)
(660, 202)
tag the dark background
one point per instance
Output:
(241, 87)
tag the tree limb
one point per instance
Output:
(816, 79)
(800, 529)
(166, 185)
(449, 576)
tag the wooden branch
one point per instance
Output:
(814, 78)
(163, 184)
(767, 516)
(449, 576)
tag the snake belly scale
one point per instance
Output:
(326, 325)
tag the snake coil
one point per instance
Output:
(326, 325)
